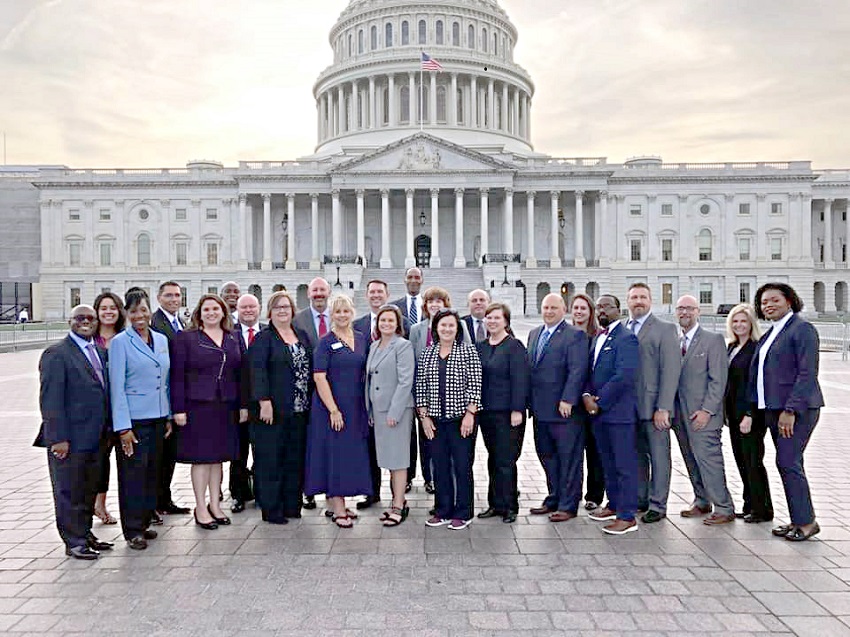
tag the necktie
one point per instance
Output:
(175, 324)
(633, 326)
(603, 332)
(541, 344)
(413, 313)
(374, 334)
(429, 340)
(479, 331)
(94, 359)
(323, 326)
(684, 344)
(250, 336)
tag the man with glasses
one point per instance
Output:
(74, 411)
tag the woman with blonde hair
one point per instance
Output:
(742, 334)
(337, 436)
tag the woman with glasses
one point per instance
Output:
(280, 368)
(206, 401)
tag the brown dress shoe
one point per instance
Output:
(719, 518)
(541, 510)
(695, 511)
(620, 527)
(561, 516)
(602, 515)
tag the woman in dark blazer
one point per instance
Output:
(206, 400)
(280, 368)
(448, 395)
(784, 390)
(742, 334)
(504, 392)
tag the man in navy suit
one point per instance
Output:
(411, 303)
(74, 409)
(557, 355)
(611, 400)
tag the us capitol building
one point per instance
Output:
(442, 175)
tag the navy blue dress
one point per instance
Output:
(338, 461)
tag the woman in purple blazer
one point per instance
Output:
(206, 402)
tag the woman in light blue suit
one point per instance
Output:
(390, 370)
(138, 370)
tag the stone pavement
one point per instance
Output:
(671, 578)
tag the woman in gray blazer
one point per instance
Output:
(389, 400)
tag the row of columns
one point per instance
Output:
(828, 229)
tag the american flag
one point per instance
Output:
(430, 64)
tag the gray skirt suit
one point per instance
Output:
(389, 383)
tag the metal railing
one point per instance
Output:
(494, 257)
(29, 335)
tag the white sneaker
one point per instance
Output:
(437, 521)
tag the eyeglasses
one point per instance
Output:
(683, 309)
(84, 318)
(279, 308)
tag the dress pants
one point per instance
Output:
(736, 440)
(789, 461)
(453, 456)
(166, 460)
(654, 467)
(595, 491)
(424, 451)
(756, 485)
(560, 448)
(703, 456)
(279, 451)
(617, 444)
(137, 477)
(504, 444)
(74, 481)
(240, 477)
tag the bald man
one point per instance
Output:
(316, 319)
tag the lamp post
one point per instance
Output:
(505, 282)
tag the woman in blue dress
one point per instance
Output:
(337, 448)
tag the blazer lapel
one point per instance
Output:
(379, 353)
(82, 361)
(141, 346)
(694, 342)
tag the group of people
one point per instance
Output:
(325, 403)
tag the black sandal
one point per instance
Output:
(339, 518)
(402, 514)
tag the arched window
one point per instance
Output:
(424, 100)
(497, 100)
(373, 38)
(484, 39)
(347, 115)
(404, 115)
(361, 111)
(143, 250)
(455, 34)
(388, 35)
(485, 102)
(704, 244)
(460, 106)
(350, 45)
(423, 32)
(405, 33)
(441, 104)
(470, 37)
(361, 41)
(385, 94)
(495, 44)
(439, 31)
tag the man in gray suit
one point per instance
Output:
(698, 420)
(658, 378)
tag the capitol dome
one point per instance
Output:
(374, 93)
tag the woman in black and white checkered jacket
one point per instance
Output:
(448, 394)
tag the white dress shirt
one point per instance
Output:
(171, 318)
(778, 326)
(688, 336)
(638, 323)
(409, 298)
(245, 328)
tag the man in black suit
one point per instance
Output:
(74, 408)
(166, 320)
(477, 300)
(230, 293)
(411, 303)
(248, 326)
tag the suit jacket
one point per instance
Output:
(702, 382)
(202, 372)
(463, 381)
(237, 330)
(613, 379)
(139, 376)
(304, 321)
(74, 404)
(160, 322)
(470, 326)
(737, 401)
(270, 372)
(660, 364)
(402, 305)
(790, 368)
(505, 375)
(419, 336)
(389, 378)
(364, 324)
(560, 374)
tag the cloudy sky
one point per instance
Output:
(157, 82)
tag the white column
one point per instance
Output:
(473, 102)
(452, 115)
(386, 260)
(515, 118)
(554, 256)
(530, 260)
(528, 117)
(88, 244)
(432, 110)
(320, 115)
(361, 224)
(761, 229)
(340, 107)
(435, 228)
(600, 226)
(373, 106)
(121, 248)
(243, 231)
(355, 99)
(491, 104)
(412, 102)
(195, 216)
(290, 231)
(807, 226)
(580, 262)
(391, 116)
(315, 262)
(329, 127)
(485, 221)
(409, 259)
(165, 231)
(336, 224)
(460, 259)
(509, 220)
(504, 126)
(267, 232)
(827, 233)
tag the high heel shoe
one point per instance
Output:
(222, 521)
(209, 526)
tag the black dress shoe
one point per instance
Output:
(97, 545)
(156, 519)
(309, 502)
(752, 518)
(652, 516)
(782, 530)
(741, 515)
(292, 514)
(490, 513)
(798, 535)
(220, 521)
(368, 502)
(238, 506)
(150, 534)
(209, 526)
(173, 509)
(82, 552)
(277, 519)
(137, 543)
(509, 517)
(408, 487)
(430, 488)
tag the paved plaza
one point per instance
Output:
(310, 578)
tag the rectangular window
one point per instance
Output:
(744, 209)
(635, 210)
(776, 249)
(180, 214)
(821, 215)
(212, 214)
(105, 290)
(75, 251)
(105, 214)
(843, 215)
(184, 296)
(667, 293)
(634, 249)
(705, 253)
(75, 297)
(212, 254)
(667, 249)
(743, 292)
(744, 249)
(776, 208)
(666, 210)
(705, 294)
(821, 252)
(74, 215)
(212, 289)
(105, 253)
(182, 253)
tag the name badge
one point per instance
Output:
(336, 346)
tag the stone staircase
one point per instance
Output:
(458, 281)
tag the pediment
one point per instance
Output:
(422, 153)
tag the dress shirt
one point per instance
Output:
(171, 319)
(409, 299)
(634, 325)
(245, 328)
(81, 343)
(478, 324)
(778, 326)
(688, 336)
(601, 339)
(316, 315)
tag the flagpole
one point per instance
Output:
(421, 88)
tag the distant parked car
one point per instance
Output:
(724, 308)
